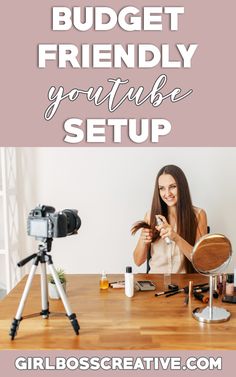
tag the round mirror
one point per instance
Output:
(210, 256)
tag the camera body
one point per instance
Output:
(43, 222)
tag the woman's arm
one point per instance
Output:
(184, 246)
(202, 224)
(143, 245)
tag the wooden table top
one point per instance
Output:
(110, 320)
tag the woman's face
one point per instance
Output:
(168, 189)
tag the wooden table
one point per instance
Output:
(110, 320)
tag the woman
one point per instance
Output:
(180, 223)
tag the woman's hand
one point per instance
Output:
(146, 236)
(166, 229)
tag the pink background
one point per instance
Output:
(205, 118)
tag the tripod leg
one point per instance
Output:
(18, 317)
(44, 292)
(70, 314)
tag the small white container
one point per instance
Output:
(53, 292)
(129, 282)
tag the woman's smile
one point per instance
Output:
(168, 189)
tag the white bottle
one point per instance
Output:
(129, 282)
(159, 222)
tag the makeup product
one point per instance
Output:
(117, 284)
(173, 287)
(170, 291)
(201, 290)
(190, 289)
(220, 284)
(145, 285)
(185, 290)
(163, 293)
(129, 282)
(224, 276)
(201, 287)
(201, 297)
(234, 281)
(229, 288)
(104, 284)
(174, 293)
(215, 283)
(159, 222)
(230, 299)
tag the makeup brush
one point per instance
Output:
(186, 290)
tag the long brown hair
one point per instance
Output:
(186, 218)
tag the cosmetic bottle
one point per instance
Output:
(159, 222)
(229, 288)
(129, 282)
(234, 281)
(215, 283)
(220, 287)
(104, 284)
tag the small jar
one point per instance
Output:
(104, 283)
(229, 287)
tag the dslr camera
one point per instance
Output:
(43, 222)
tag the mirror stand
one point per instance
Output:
(211, 314)
(210, 256)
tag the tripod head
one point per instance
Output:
(44, 248)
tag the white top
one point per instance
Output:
(167, 258)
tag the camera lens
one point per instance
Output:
(73, 221)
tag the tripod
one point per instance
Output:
(42, 257)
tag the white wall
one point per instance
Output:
(112, 188)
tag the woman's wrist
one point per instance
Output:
(176, 238)
(144, 243)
